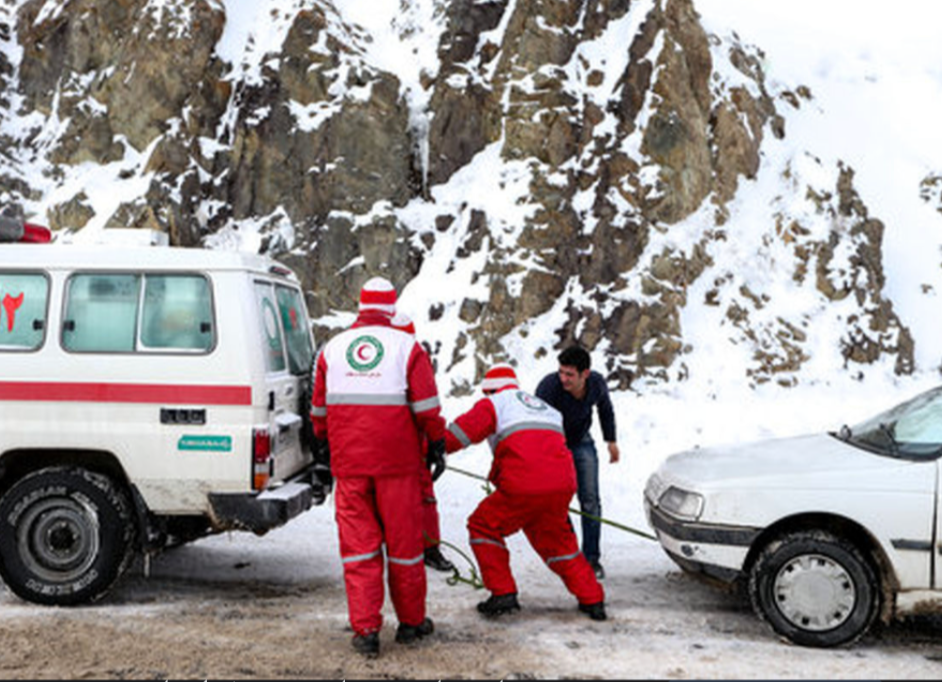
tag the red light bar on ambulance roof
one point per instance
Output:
(280, 270)
(36, 234)
(15, 230)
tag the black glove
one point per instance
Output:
(321, 458)
(321, 451)
(324, 477)
(435, 458)
(321, 473)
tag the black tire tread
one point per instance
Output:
(781, 549)
(116, 515)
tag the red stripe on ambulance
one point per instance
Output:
(125, 393)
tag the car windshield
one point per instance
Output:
(911, 430)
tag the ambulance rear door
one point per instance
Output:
(288, 352)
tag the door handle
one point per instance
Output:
(287, 421)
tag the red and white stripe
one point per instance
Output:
(499, 377)
(378, 294)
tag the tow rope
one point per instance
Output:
(474, 579)
(614, 524)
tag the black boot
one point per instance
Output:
(595, 611)
(367, 645)
(499, 604)
(406, 634)
(435, 559)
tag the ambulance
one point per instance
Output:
(148, 397)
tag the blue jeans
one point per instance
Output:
(587, 490)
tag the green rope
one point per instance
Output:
(615, 524)
(474, 580)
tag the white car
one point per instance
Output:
(829, 532)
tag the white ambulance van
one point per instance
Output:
(148, 396)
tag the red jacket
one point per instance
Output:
(375, 398)
(526, 435)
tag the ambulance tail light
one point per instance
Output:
(262, 458)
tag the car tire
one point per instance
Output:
(66, 535)
(815, 589)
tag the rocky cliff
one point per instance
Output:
(618, 131)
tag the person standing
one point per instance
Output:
(535, 480)
(430, 521)
(574, 391)
(375, 402)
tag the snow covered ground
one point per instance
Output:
(236, 606)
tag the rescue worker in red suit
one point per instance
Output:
(535, 478)
(430, 521)
(375, 402)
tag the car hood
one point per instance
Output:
(777, 463)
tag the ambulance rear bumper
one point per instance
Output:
(262, 512)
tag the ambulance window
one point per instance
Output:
(23, 304)
(176, 313)
(299, 344)
(271, 327)
(101, 312)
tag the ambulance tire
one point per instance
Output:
(66, 535)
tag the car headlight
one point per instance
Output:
(681, 504)
(653, 488)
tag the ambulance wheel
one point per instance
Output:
(66, 535)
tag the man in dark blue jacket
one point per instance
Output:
(574, 390)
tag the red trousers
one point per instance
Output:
(544, 519)
(370, 512)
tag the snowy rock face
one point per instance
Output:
(558, 160)
(613, 109)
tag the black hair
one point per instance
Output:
(575, 356)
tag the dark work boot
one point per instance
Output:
(367, 644)
(595, 611)
(499, 604)
(406, 634)
(435, 559)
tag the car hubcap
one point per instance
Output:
(58, 539)
(814, 592)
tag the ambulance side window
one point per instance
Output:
(271, 328)
(176, 313)
(101, 313)
(299, 344)
(24, 299)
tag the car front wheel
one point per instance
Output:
(815, 589)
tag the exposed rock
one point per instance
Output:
(846, 265)
(120, 69)
(72, 214)
(930, 190)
